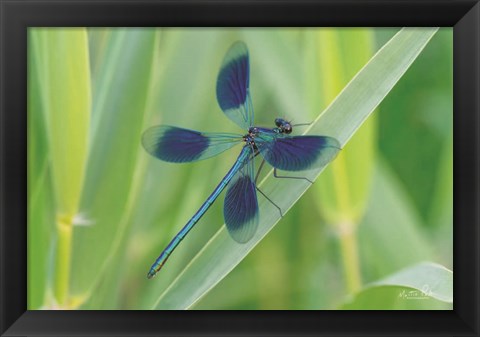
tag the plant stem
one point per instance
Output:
(62, 259)
(343, 202)
(349, 251)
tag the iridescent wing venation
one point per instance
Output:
(297, 153)
(178, 145)
(241, 205)
(233, 94)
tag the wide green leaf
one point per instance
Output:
(432, 279)
(122, 78)
(407, 289)
(64, 81)
(62, 71)
(340, 120)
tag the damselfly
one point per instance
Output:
(275, 145)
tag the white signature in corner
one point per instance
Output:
(422, 294)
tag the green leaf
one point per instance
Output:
(390, 225)
(182, 91)
(340, 120)
(433, 279)
(61, 65)
(64, 79)
(420, 114)
(122, 82)
(441, 212)
(406, 289)
(344, 186)
(41, 210)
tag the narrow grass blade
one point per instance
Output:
(41, 217)
(340, 120)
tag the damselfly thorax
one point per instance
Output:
(283, 126)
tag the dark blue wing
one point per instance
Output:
(176, 145)
(241, 206)
(232, 86)
(297, 153)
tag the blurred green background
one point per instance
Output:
(101, 209)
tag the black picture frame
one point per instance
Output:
(17, 15)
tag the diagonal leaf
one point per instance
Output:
(340, 120)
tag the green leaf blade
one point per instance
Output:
(407, 289)
(62, 71)
(344, 186)
(432, 279)
(66, 97)
(120, 104)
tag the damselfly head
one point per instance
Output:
(283, 125)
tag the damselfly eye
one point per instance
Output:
(287, 128)
(279, 122)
